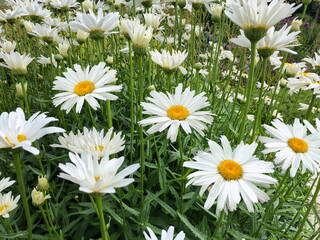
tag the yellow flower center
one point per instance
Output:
(100, 148)
(288, 64)
(178, 112)
(230, 170)
(304, 74)
(96, 178)
(83, 88)
(3, 207)
(21, 138)
(298, 145)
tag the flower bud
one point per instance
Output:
(82, 36)
(151, 88)
(295, 25)
(38, 198)
(306, 2)
(58, 57)
(198, 66)
(283, 83)
(63, 49)
(87, 4)
(109, 60)
(43, 184)
(20, 90)
(182, 3)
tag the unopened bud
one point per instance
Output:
(109, 60)
(198, 66)
(283, 83)
(295, 25)
(151, 88)
(43, 184)
(20, 90)
(38, 197)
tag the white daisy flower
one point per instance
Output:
(280, 40)
(35, 11)
(304, 106)
(64, 4)
(127, 25)
(165, 235)
(256, 18)
(95, 175)
(152, 20)
(232, 174)
(16, 132)
(45, 33)
(7, 204)
(252, 13)
(140, 35)
(92, 141)
(293, 146)
(173, 110)
(315, 62)
(8, 46)
(5, 182)
(97, 26)
(89, 85)
(15, 61)
(169, 62)
(304, 82)
(47, 60)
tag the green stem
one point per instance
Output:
(310, 106)
(50, 221)
(46, 221)
(306, 215)
(17, 164)
(123, 214)
(260, 102)
(169, 81)
(182, 169)
(9, 224)
(218, 225)
(141, 131)
(91, 116)
(131, 102)
(21, 78)
(304, 11)
(104, 231)
(275, 196)
(249, 92)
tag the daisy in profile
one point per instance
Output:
(165, 235)
(89, 84)
(231, 175)
(255, 18)
(292, 146)
(315, 62)
(96, 176)
(5, 182)
(17, 132)
(169, 62)
(96, 26)
(7, 204)
(140, 36)
(92, 141)
(16, 62)
(175, 110)
(280, 40)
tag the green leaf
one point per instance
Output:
(195, 231)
